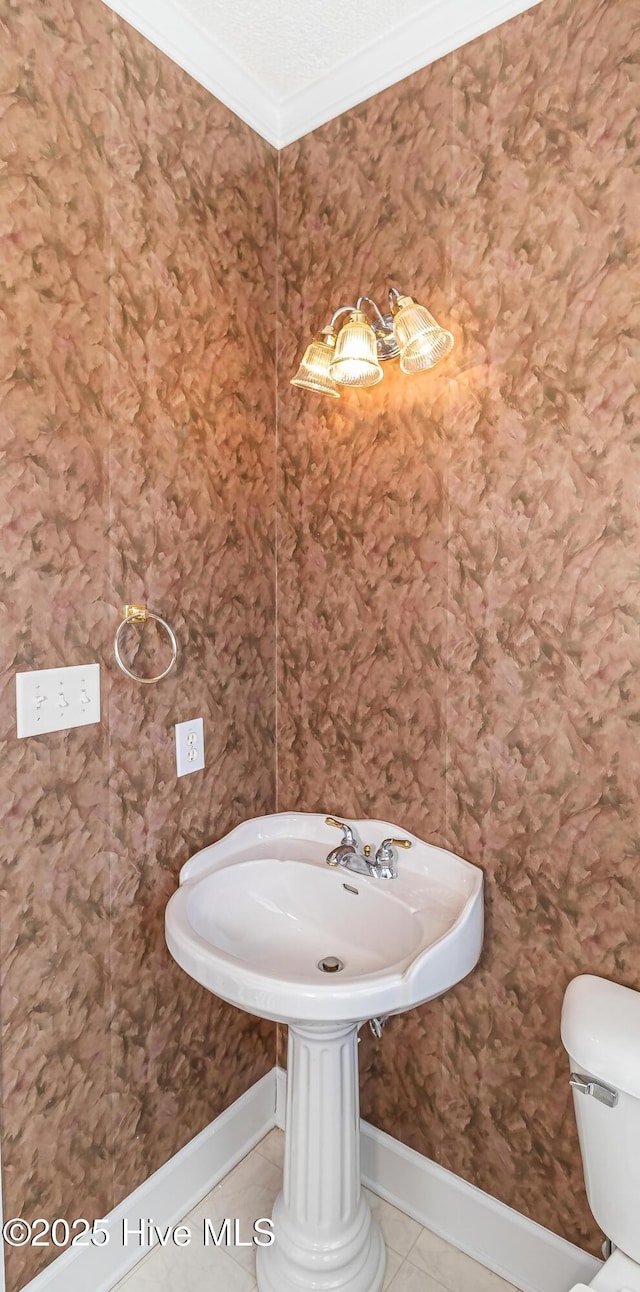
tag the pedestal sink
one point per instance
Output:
(263, 922)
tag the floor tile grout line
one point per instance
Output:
(404, 1258)
(421, 1231)
(418, 1270)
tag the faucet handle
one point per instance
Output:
(388, 844)
(349, 835)
(386, 857)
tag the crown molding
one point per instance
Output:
(206, 60)
(443, 25)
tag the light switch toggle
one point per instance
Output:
(54, 699)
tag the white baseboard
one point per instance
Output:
(531, 1258)
(168, 1195)
(520, 1251)
(281, 1096)
(525, 1254)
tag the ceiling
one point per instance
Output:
(289, 66)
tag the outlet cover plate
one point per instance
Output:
(55, 699)
(190, 746)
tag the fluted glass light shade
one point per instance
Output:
(355, 361)
(313, 373)
(421, 340)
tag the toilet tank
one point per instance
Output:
(601, 1033)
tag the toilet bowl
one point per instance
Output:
(601, 1034)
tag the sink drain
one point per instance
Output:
(330, 964)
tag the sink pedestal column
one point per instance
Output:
(325, 1235)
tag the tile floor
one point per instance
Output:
(417, 1261)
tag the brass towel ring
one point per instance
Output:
(139, 615)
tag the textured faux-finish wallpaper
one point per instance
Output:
(459, 607)
(457, 569)
(137, 268)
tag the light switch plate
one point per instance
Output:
(54, 699)
(190, 746)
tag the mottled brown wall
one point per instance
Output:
(459, 606)
(457, 583)
(137, 266)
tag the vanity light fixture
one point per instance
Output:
(352, 356)
(313, 373)
(355, 360)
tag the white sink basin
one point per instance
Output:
(256, 912)
(252, 919)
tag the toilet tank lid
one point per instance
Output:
(600, 1029)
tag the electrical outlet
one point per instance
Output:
(190, 746)
(54, 699)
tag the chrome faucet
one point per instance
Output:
(351, 854)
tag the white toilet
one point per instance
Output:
(601, 1034)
